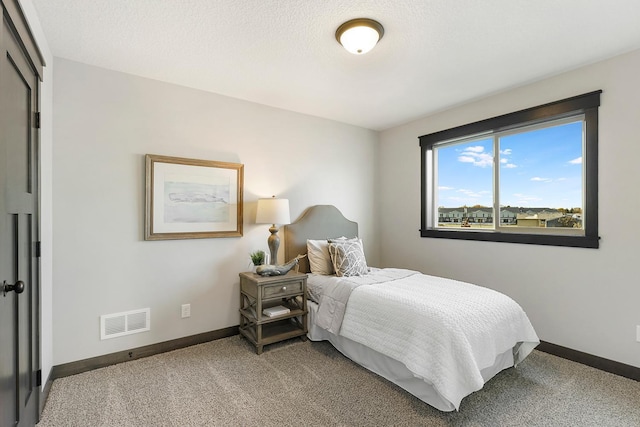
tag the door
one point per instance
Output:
(19, 267)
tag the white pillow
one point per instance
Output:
(319, 258)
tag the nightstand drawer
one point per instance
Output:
(281, 289)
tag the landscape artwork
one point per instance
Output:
(194, 202)
(192, 199)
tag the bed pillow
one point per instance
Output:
(348, 257)
(319, 258)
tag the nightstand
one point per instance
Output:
(260, 292)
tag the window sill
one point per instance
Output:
(592, 242)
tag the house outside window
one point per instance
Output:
(525, 177)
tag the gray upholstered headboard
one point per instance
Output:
(316, 223)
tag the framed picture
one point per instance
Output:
(192, 199)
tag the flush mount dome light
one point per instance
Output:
(360, 35)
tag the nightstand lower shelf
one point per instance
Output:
(277, 331)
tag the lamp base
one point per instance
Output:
(274, 243)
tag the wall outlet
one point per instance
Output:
(186, 310)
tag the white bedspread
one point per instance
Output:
(332, 293)
(444, 331)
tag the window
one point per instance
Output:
(525, 177)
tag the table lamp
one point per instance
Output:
(273, 211)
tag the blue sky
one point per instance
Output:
(540, 168)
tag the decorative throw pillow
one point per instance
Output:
(348, 257)
(319, 258)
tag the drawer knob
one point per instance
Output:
(284, 288)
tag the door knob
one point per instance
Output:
(18, 288)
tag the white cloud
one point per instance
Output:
(471, 193)
(577, 161)
(476, 149)
(539, 179)
(526, 199)
(466, 159)
(445, 188)
(465, 196)
(504, 160)
(476, 156)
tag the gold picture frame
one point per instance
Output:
(192, 199)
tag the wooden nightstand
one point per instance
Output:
(258, 292)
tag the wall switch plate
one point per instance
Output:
(186, 310)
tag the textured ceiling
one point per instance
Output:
(283, 53)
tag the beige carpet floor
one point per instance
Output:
(296, 383)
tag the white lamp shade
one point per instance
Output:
(359, 40)
(273, 211)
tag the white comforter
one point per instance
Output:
(442, 330)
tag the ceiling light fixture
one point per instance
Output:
(360, 35)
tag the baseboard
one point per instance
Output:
(597, 362)
(72, 368)
(80, 366)
(45, 391)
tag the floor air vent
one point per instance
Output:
(125, 323)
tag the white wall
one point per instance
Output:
(104, 124)
(584, 299)
(46, 193)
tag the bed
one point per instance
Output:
(439, 339)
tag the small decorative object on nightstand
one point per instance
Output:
(258, 293)
(278, 270)
(257, 259)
